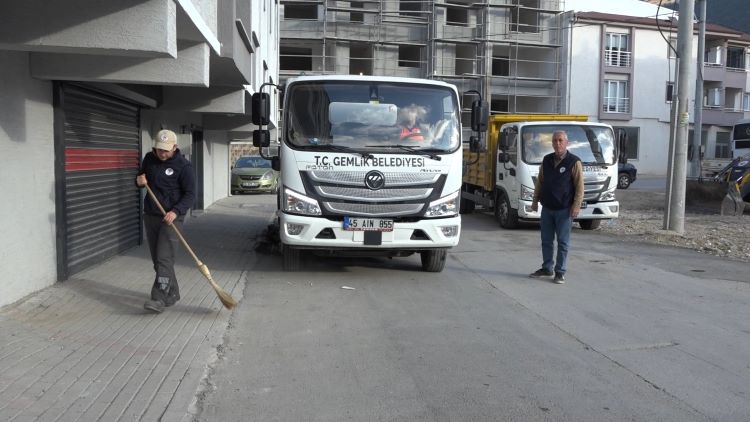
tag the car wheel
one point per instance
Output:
(623, 181)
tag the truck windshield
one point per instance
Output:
(592, 144)
(366, 115)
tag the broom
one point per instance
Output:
(225, 298)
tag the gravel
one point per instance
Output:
(642, 219)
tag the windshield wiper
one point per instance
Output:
(410, 149)
(339, 148)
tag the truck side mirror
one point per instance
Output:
(622, 145)
(476, 144)
(261, 108)
(276, 163)
(261, 138)
(479, 115)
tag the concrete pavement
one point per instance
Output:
(85, 349)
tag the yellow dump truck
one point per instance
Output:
(502, 175)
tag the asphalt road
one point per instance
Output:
(639, 332)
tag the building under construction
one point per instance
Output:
(509, 50)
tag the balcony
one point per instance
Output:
(616, 105)
(616, 58)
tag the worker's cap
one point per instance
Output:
(165, 139)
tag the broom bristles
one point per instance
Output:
(226, 299)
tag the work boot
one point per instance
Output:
(541, 273)
(154, 306)
(559, 278)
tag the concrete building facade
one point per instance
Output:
(622, 72)
(84, 86)
(508, 50)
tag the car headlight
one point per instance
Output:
(267, 176)
(296, 203)
(608, 196)
(445, 206)
(527, 193)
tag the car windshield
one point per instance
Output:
(252, 162)
(367, 116)
(592, 144)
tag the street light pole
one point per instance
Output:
(675, 220)
(696, 169)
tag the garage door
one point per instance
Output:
(98, 154)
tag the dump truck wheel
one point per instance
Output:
(504, 214)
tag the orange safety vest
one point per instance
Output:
(416, 134)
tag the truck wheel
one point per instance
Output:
(433, 261)
(590, 224)
(291, 258)
(505, 215)
(466, 205)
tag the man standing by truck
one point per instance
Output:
(559, 188)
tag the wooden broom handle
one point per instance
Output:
(184, 242)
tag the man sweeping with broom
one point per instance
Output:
(169, 175)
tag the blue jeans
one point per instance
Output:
(555, 223)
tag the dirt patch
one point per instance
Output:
(642, 219)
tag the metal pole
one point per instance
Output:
(698, 124)
(685, 53)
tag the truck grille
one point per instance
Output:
(344, 193)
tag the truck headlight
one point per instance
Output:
(296, 203)
(608, 196)
(445, 206)
(527, 193)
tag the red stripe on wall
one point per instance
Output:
(81, 159)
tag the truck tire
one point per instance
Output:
(290, 258)
(466, 205)
(433, 261)
(505, 215)
(590, 224)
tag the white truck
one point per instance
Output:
(502, 176)
(358, 177)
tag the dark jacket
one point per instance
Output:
(172, 181)
(558, 189)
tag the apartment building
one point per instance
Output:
(622, 72)
(84, 86)
(508, 50)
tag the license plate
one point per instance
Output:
(368, 224)
(250, 184)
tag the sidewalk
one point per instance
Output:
(85, 349)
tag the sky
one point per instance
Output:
(617, 7)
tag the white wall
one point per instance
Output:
(27, 215)
(584, 70)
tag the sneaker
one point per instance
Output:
(154, 305)
(541, 273)
(559, 278)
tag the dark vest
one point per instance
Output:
(558, 190)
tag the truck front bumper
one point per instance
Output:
(322, 233)
(593, 211)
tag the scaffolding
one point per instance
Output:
(509, 50)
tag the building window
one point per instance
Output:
(499, 106)
(525, 17)
(746, 101)
(456, 16)
(713, 56)
(409, 56)
(632, 145)
(304, 11)
(736, 58)
(672, 48)
(357, 16)
(670, 91)
(712, 98)
(410, 8)
(500, 66)
(722, 145)
(616, 98)
(616, 51)
(295, 58)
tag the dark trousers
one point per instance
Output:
(162, 242)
